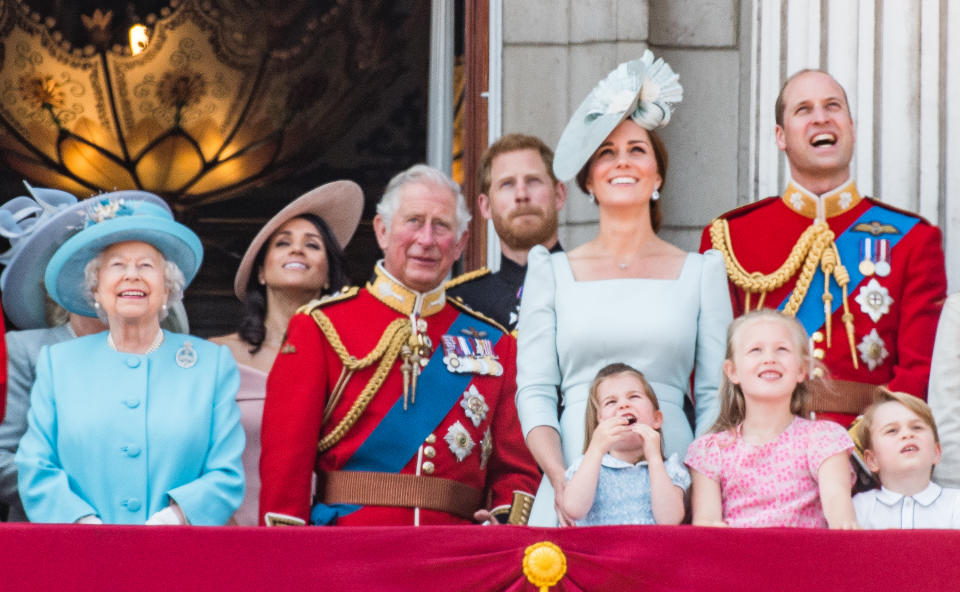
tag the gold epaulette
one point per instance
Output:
(466, 277)
(458, 303)
(344, 293)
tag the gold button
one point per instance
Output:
(428, 468)
(818, 353)
(431, 439)
(817, 336)
(818, 372)
(429, 451)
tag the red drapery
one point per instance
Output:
(64, 558)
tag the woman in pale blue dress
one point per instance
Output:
(625, 296)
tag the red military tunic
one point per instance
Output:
(894, 314)
(478, 443)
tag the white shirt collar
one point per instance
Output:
(924, 498)
(613, 462)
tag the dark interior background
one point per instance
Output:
(385, 135)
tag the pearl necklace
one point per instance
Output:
(157, 341)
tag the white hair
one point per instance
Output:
(173, 281)
(426, 175)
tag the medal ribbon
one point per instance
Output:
(810, 313)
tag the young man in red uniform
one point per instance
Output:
(821, 246)
(401, 402)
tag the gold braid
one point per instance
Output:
(757, 282)
(386, 351)
(814, 248)
(822, 242)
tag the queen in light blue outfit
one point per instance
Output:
(135, 425)
(626, 295)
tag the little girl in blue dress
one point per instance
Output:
(622, 477)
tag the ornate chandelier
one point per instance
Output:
(226, 94)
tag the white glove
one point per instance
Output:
(165, 517)
(89, 519)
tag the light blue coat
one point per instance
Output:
(118, 435)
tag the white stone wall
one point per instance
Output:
(898, 60)
(554, 51)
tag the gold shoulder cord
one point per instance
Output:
(466, 277)
(386, 351)
(814, 247)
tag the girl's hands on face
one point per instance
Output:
(608, 432)
(651, 440)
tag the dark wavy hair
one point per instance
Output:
(252, 329)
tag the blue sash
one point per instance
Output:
(398, 436)
(810, 313)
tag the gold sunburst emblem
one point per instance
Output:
(544, 564)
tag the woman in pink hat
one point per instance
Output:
(296, 257)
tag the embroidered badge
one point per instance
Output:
(459, 440)
(474, 405)
(845, 198)
(486, 448)
(872, 350)
(288, 348)
(874, 300)
(796, 200)
(186, 355)
(876, 228)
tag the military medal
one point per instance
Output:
(474, 405)
(872, 350)
(459, 441)
(874, 300)
(470, 353)
(882, 265)
(486, 448)
(866, 266)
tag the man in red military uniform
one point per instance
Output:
(400, 401)
(823, 246)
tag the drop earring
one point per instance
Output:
(655, 195)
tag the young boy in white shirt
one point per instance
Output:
(901, 446)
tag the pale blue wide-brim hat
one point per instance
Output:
(110, 221)
(36, 226)
(643, 89)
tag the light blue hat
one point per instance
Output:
(110, 220)
(643, 90)
(36, 226)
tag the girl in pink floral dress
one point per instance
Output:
(762, 463)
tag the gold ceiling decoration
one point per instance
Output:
(224, 96)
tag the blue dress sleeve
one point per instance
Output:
(715, 316)
(44, 485)
(677, 472)
(216, 494)
(538, 367)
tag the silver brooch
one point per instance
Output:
(474, 405)
(186, 355)
(459, 440)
